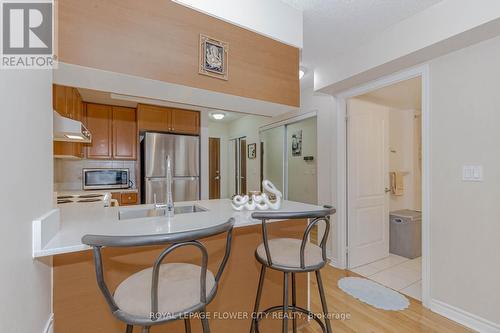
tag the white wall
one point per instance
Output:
(26, 145)
(271, 18)
(302, 175)
(465, 228)
(274, 142)
(403, 157)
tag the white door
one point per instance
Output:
(368, 177)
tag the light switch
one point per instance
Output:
(472, 173)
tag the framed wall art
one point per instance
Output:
(252, 151)
(213, 57)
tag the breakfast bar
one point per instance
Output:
(78, 305)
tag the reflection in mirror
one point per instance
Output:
(273, 142)
(234, 154)
(289, 159)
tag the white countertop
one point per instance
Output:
(77, 220)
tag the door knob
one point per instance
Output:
(387, 190)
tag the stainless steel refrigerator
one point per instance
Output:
(184, 153)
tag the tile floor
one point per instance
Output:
(398, 273)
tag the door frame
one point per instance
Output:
(218, 139)
(237, 162)
(340, 241)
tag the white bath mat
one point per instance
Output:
(373, 293)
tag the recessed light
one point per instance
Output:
(218, 115)
(74, 137)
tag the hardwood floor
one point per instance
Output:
(365, 318)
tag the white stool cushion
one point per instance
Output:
(178, 289)
(286, 252)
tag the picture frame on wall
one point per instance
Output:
(297, 143)
(252, 151)
(213, 57)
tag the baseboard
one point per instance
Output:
(465, 318)
(49, 327)
(333, 262)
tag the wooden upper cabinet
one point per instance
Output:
(152, 118)
(77, 112)
(59, 99)
(184, 121)
(124, 133)
(98, 120)
(67, 102)
(162, 119)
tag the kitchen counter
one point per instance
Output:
(61, 231)
(84, 309)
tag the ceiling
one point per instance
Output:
(333, 27)
(404, 95)
(229, 116)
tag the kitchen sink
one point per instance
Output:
(128, 214)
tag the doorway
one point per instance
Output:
(238, 167)
(384, 186)
(214, 168)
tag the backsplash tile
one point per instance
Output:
(68, 173)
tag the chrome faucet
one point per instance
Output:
(169, 202)
(170, 199)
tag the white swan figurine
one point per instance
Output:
(268, 186)
(259, 201)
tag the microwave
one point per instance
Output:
(101, 179)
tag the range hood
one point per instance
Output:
(70, 130)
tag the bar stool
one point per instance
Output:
(291, 256)
(163, 292)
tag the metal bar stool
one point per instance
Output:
(164, 292)
(292, 256)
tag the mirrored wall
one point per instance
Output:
(246, 149)
(289, 159)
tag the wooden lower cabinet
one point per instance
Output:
(126, 198)
(79, 306)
